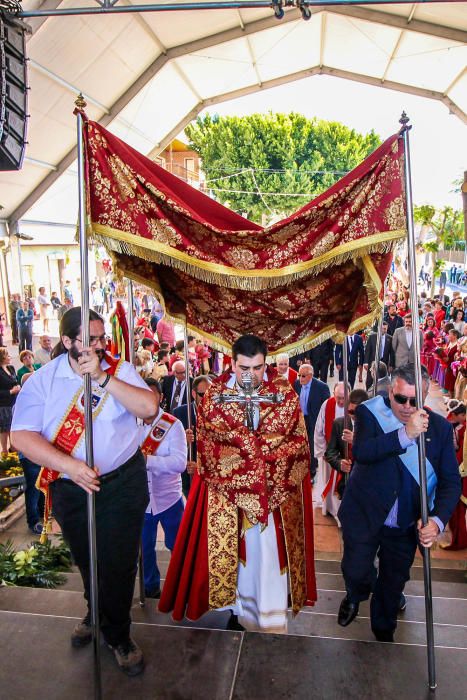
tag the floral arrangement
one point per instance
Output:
(39, 566)
(10, 466)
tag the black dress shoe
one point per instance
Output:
(348, 611)
(152, 593)
(234, 625)
(402, 603)
(384, 635)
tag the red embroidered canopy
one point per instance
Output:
(314, 275)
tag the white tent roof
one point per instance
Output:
(147, 75)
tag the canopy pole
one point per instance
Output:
(91, 511)
(345, 377)
(188, 391)
(131, 350)
(404, 120)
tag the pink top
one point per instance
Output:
(166, 332)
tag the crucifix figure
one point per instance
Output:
(248, 397)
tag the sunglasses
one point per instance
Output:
(201, 393)
(402, 400)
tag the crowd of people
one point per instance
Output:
(193, 445)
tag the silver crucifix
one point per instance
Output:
(248, 397)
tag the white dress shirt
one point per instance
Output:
(45, 400)
(165, 467)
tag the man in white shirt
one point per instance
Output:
(43, 352)
(163, 442)
(48, 428)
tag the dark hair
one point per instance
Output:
(162, 354)
(429, 335)
(358, 396)
(249, 346)
(70, 325)
(448, 327)
(382, 369)
(179, 345)
(459, 311)
(150, 381)
(146, 342)
(199, 379)
(190, 338)
(164, 345)
(407, 373)
(455, 332)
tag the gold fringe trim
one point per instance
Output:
(250, 280)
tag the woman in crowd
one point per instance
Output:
(458, 320)
(29, 366)
(457, 522)
(9, 388)
(451, 356)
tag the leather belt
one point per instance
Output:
(105, 478)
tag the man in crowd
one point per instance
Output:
(49, 402)
(13, 306)
(342, 436)
(393, 319)
(355, 358)
(402, 343)
(380, 511)
(383, 381)
(284, 369)
(199, 388)
(386, 353)
(163, 444)
(174, 387)
(312, 394)
(324, 492)
(43, 352)
(247, 529)
(321, 357)
(24, 321)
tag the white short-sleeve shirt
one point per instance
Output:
(46, 399)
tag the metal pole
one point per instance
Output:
(345, 377)
(83, 250)
(418, 387)
(131, 350)
(226, 5)
(189, 398)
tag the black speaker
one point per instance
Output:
(13, 92)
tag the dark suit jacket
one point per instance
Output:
(167, 388)
(319, 392)
(355, 356)
(181, 412)
(376, 478)
(335, 450)
(322, 353)
(370, 350)
(393, 323)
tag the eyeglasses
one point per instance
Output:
(94, 339)
(402, 400)
(201, 393)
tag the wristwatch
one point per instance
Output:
(106, 381)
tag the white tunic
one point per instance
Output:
(261, 603)
(46, 398)
(331, 503)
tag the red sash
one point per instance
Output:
(329, 417)
(68, 436)
(157, 434)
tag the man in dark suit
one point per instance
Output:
(321, 356)
(313, 393)
(393, 319)
(199, 387)
(355, 357)
(380, 511)
(386, 353)
(174, 388)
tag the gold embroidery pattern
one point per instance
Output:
(294, 533)
(222, 550)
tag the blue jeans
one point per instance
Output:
(170, 520)
(33, 498)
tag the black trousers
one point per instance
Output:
(351, 374)
(320, 369)
(120, 507)
(396, 552)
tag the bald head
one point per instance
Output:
(178, 369)
(339, 394)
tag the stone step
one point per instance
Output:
(325, 581)
(320, 620)
(195, 664)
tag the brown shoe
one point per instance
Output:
(129, 657)
(82, 634)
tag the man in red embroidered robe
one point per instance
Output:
(247, 530)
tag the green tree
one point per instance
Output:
(447, 225)
(274, 163)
